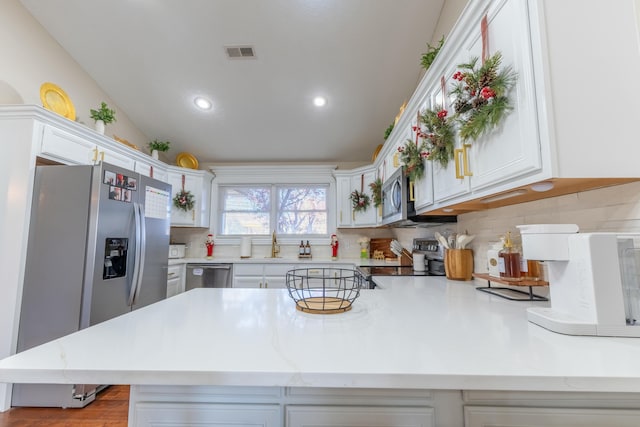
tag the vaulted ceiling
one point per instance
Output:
(153, 57)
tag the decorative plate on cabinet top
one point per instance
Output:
(376, 152)
(55, 99)
(186, 160)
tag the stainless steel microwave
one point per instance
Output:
(397, 198)
(398, 204)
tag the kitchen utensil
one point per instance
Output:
(55, 99)
(466, 240)
(442, 240)
(396, 247)
(452, 240)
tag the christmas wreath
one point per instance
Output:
(184, 200)
(376, 192)
(438, 134)
(359, 200)
(482, 95)
(411, 156)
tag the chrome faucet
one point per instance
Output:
(275, 247)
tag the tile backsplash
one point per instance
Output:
(615, 208)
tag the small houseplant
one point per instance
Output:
(155, 146)
(103, 116)
(430, 55)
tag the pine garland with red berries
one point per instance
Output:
(411, 156)
(482, 96)
(438, 134)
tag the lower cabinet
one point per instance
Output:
(273, 276)
(206, 414)
(481, 416)
(357, 416)
(175, 279)
(260, 275)
(552, 409)
(291, 407)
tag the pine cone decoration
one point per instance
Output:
(460, 106)
(487, 78)
(478, 101)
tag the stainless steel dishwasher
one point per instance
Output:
(208, 276)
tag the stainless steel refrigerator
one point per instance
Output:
(98, 245)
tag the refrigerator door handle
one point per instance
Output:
(136, 259)
(143, 251)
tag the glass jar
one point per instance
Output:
(509, 260)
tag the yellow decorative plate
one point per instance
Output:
(186, 160)
(55, 99)
(376, 152)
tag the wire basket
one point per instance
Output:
(324, 290)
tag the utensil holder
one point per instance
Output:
(458, 264)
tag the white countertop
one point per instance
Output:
(268, 260)
(420, 332)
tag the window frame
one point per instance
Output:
(273, 175)
(274, 194)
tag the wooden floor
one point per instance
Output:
(110, 409)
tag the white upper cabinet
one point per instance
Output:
(198, 183)
(573, 103)
(346, 183)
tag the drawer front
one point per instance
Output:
(248, 269)
(174, 271)
(277, 269)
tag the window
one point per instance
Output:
(296, 209)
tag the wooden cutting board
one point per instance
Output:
(381, 245)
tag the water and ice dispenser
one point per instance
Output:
(594, 280)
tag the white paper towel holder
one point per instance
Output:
(245, 247)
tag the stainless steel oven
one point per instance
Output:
(433, 255)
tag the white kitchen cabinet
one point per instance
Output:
(346, 182)
(266, 276)
(74, 144)
(209, 414)
(357, 416)
(153, 171)
(558, 130)
(482, 416)
(69, 148)
(175, 279)
(274, 275)
(199, 184)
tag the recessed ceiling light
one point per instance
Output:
(319, 101)
(202, 103)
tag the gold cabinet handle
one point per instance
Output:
(341, 216)
(193, 214)
(353, 214)
(266, 285)
(456, 156)
(465, 159)
(260, 285)
(412, 196)
(95, 155)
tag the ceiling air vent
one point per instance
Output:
(240, 52)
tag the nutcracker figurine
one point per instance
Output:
(334, 247)
(209, 245)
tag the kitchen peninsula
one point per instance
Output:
(423, 350)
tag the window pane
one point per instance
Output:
(245, 199)
(302, 210)
(245, 210)
(302, 223)
(245, 223)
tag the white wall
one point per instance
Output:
(31, 57)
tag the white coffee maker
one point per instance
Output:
(593, 280)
